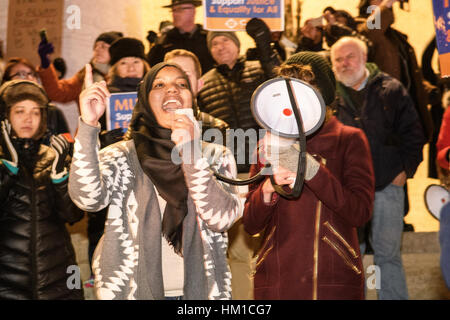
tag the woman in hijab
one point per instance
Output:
(165, 234)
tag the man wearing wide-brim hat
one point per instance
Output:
(186, 34)
(174, 3)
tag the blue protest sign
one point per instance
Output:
(119, 110)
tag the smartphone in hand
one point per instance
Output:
(43, 35)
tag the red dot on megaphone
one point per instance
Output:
(287, 112)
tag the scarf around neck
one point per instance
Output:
(154, 148)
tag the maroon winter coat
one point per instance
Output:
(310, 248)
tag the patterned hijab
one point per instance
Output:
(154, 147)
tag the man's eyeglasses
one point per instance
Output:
(23, 75)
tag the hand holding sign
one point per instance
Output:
(93, 99)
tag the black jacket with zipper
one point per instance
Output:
(35, 246)
(173, 39)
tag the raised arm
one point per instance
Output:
(91, 181)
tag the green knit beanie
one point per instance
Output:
(325, 80)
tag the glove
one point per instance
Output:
(44, 49)
(12, 163)
(109, 137)
(152, 36)
(258, 30)
(61, 147)
(286, 156)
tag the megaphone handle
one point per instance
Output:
(256, 178)
(298, 185)
(301, 164)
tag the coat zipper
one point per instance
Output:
(261, 259)
(33, 239)
(316, 244)
(340, 252)
(338, 235)
(316, 249)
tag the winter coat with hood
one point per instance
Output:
(35, 246)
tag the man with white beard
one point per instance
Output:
(380, 105)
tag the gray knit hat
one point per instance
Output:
(324, 76)
(229, 34)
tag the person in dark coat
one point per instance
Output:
(37, 258)
(186, 34)
(380, 105)
(310, 249)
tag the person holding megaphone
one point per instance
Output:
(310, 246)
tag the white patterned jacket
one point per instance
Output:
(127, 261)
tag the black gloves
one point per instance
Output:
(11, 163)
(109, 137)
(61, 147)
(258, 30)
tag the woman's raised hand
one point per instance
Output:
(93, 99)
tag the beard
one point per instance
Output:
(350, 79)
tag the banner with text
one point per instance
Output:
(232, 15)
(441, 10)
(25, 19)
(119, 110)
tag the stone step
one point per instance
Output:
(420, 242)
(421, 261)
(423, 276)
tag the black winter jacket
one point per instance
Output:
(390, 121)
(175, 40)
(226, 94)
(35, 247)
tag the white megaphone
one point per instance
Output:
(436, 196)
(289, 108)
